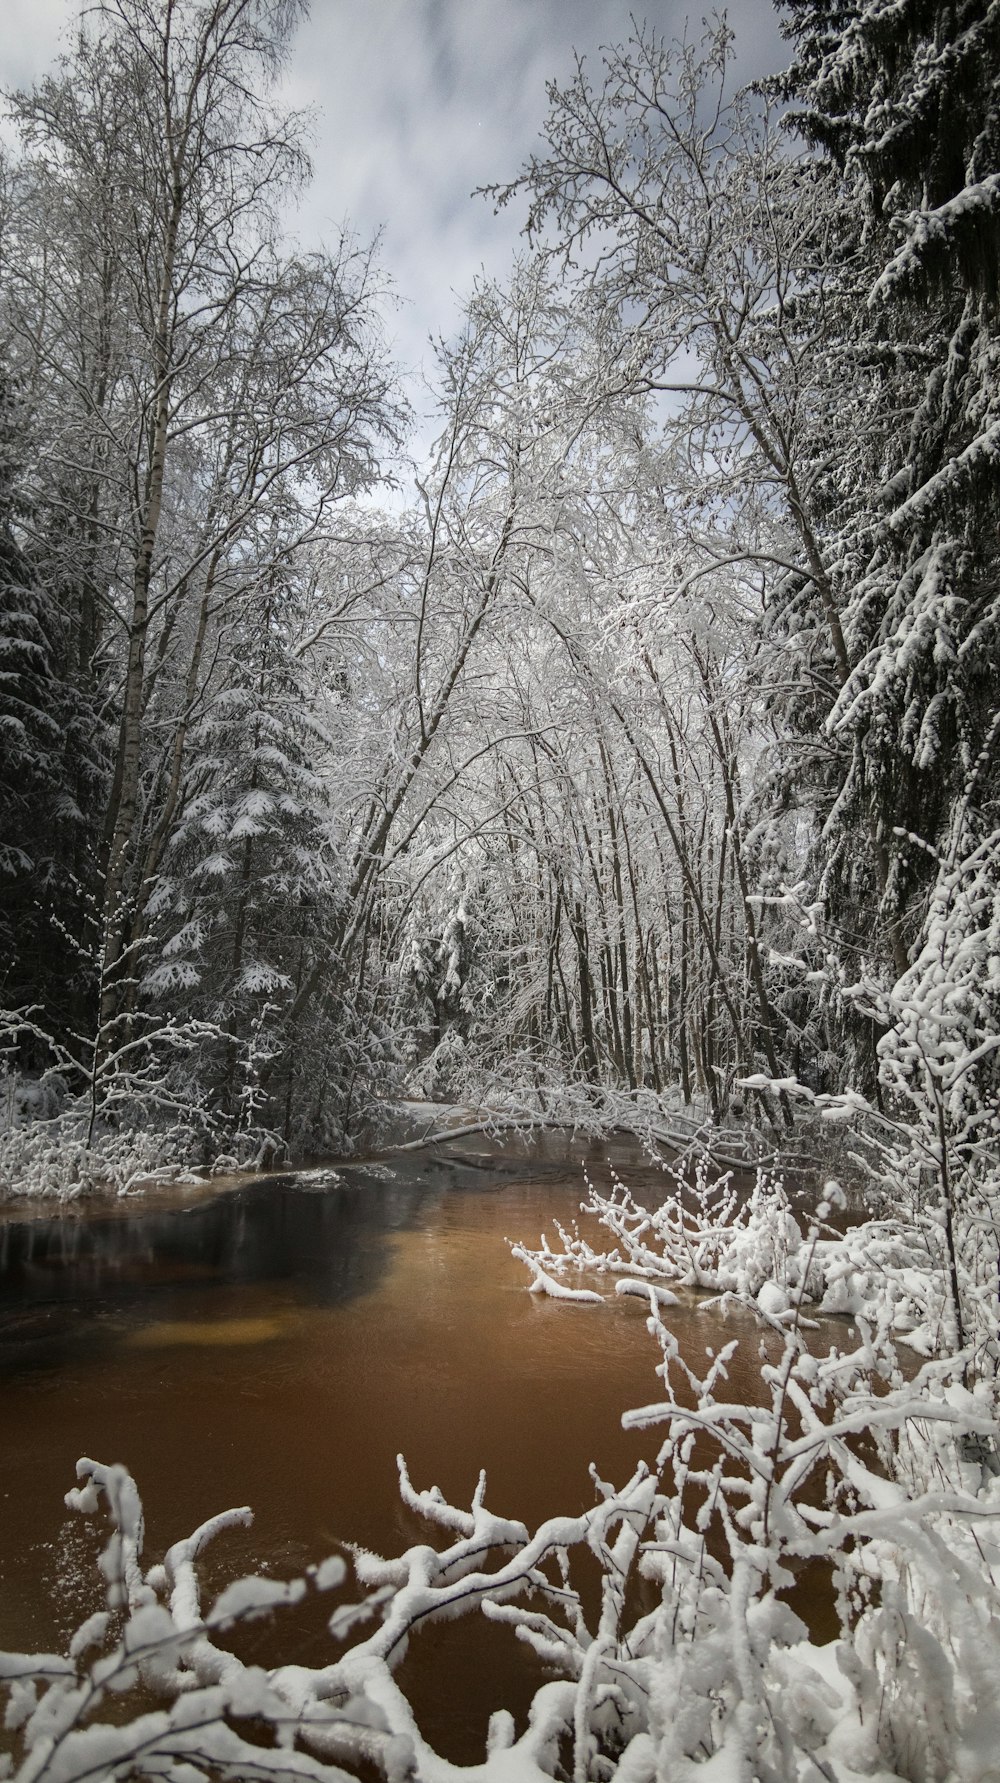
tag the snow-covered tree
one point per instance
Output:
(903, 101)
(199, 397)
(51, 776)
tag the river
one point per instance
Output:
(279, 1342)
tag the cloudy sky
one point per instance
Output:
(418, 102)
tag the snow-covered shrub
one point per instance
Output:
(141, 1114)
(931, 1144)
(750, 1245)
(713, 1235)
(222, 1717)
(940, 1067)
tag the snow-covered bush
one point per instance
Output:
(53, 1159)
(930, 1143)
(141, 1114)
(750, 1245)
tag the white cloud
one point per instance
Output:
(421, 101)
(417, 102)
(33, 32)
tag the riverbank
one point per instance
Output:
(50, 1159)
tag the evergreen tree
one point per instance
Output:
(50, 779)
(243, 906)
(904, 98)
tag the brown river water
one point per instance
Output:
(278, 1343)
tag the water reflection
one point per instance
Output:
(268, 1232)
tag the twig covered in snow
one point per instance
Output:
(752, 1247)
